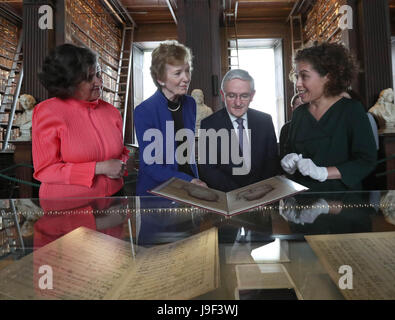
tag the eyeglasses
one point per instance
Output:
(242, 97)
(98, 73)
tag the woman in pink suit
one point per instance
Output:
(77, 140)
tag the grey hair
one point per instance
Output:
(238, 74)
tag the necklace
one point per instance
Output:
(176, 109)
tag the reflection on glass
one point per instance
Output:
(323, 213)
(387, 206)
(62, 216)
(272, 252)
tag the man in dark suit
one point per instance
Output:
(237, 91)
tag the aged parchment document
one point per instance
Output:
(87, 264)
(84, 264)
(371, 257)
(180, 270)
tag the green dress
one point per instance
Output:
(342, 138)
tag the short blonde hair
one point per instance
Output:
(168, 52)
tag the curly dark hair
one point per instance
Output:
(66, 67)
(333, 60)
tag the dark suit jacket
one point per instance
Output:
(264, 152)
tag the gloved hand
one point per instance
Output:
(288, 163)
(317, 208)
(308, 168)
(289, 211)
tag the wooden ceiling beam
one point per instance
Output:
(146, 11)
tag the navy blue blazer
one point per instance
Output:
(264, 152)
(153, 114)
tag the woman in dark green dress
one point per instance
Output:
(330, 144)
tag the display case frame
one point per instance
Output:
(268, 237)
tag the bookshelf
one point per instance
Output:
(88, 24)
(322, 22)
(9, 230)
(8, 49)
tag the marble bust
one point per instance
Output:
(202, 111)
(387, 206)
(384, 109)
(25, 120)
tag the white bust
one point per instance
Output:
(387, 206)
(25, 120)
(384, 109)
(202, 111)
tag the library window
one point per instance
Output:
(262, 58)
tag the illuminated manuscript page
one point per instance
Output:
(179, 270)
(371, 257)
(85, 264)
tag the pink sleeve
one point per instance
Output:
(125, 154)
(125, 157)
(47, 160)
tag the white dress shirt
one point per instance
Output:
(236, 125)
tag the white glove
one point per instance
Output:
(308, 168)
(317, 208)
(289, 162)
(289, 212)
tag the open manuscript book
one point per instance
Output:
(237, 201)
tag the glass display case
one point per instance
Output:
(106, 248)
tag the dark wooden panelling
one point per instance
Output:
(60, 18)
(23, 154)
(7, 187)
(155, 32)
(264, 11)
(375, 33)
(36, 45)
(387, 149)
(392, 16)
(198, 28)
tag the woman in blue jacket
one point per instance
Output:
(164, 153)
